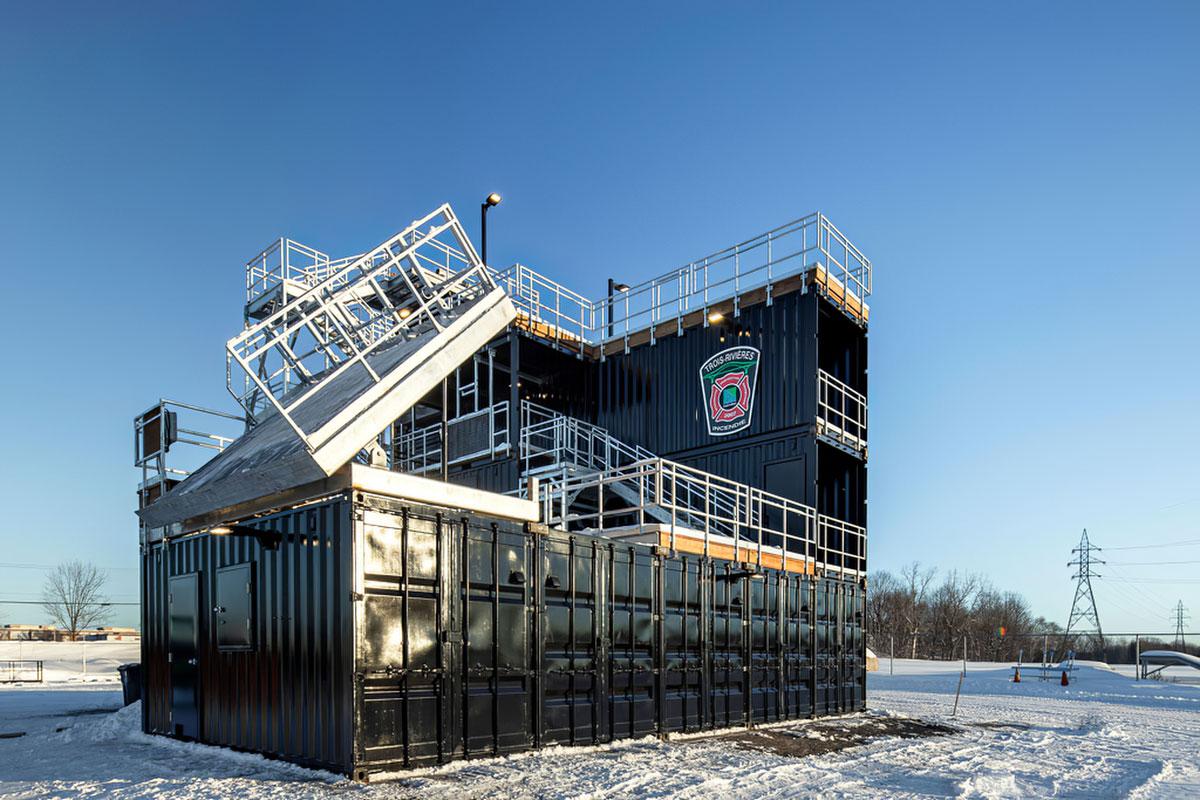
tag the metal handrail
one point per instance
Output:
(152, 456)
(405, 285)
(420, 450)
(841, 411)
(752, 518)
(757, 263)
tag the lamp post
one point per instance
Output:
(613, 287)
(492, 199)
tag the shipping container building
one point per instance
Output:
(472, 512)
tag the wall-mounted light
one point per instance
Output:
(268, 539)
(715, 316)
(750, 572)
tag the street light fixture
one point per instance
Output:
(492, 199)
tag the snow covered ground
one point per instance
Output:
(1104, 736)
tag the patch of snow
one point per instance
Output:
(1105, 735)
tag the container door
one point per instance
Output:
(497, 614)
(571, 574)
(184, 655)
(410, 639)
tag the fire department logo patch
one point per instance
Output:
(727, 381)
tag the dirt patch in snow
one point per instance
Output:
(829, 736)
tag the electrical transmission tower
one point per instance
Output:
(1085, 621)
(1181, 617)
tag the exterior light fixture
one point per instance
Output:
(405, 313)
(715, 316)
(751, 571)
(268, 539)
(620, 287)
(493, 199)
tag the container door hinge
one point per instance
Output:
(357, 597)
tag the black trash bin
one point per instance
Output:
(131, 682)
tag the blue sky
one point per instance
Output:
(1024, 175)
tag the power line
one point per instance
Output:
(17, 565)
(1146, 606)
(1151, 563)
(1153, 597)
(41, 603)
(1166, 581)
(1180, 543)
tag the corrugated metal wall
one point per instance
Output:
(290, 694)
(480, 638)
(428, 636)
(651, 396)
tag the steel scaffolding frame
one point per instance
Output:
(411, 282)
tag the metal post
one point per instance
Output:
(1137, 658)
(483, 209)
(514, 400)
(608, 308)
(892, 659)
(445, 433)
(964, 655)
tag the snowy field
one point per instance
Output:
(1104, 736)
(75, 662)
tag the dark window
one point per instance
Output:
(234, 611)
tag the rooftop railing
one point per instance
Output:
(758, 263)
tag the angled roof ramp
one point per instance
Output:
(335, 356)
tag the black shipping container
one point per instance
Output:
(361, 633)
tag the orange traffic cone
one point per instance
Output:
(1065, 682)
(1017, 675)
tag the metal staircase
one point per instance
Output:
(334, 352)
(590, 480)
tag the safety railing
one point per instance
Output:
(284, 261)
(548, 308)
(810, 243)
(751, 521)
(841, 545)
(550, 439)
(756, 263)
(159, 428)
(479, 434)
(411, 282)
(841, 412)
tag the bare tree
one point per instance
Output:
(914, 611)
(73, 597)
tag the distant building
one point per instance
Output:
(30, 633)
(48, 633)
(111, 634)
